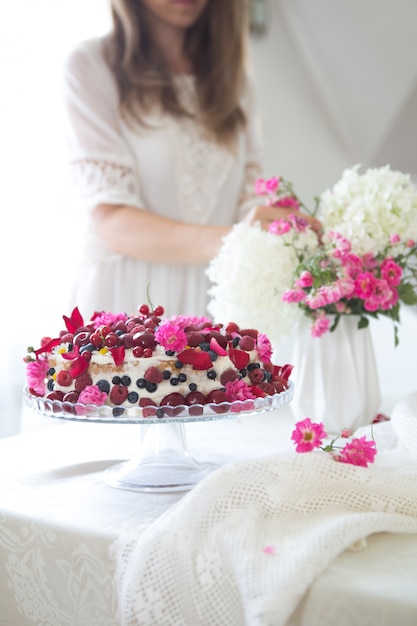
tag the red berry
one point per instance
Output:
(64, 378)
(55, 395)
(247, 343)
(111, 340)
(96, 339)
(153, 375)
(228, 376)
(218, 397)
(195, 397)
(83, 381)
(147, 353)
(194, 339)
(159, 310)
(82, 338)
(71, 396)
(251, 332)
(144, 309)
(67, 337)
(232, 327)
(148, 407)
(256, 376)
(137, 351)
(118, 394)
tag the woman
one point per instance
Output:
(164, 150)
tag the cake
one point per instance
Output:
(148, 365)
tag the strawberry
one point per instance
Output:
(239, 358)
(251, 332)
(148, 406)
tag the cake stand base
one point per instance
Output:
(162, 464)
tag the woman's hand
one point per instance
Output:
(265, 215)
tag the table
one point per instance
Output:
(58, 521)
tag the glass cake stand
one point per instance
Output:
(163, 462)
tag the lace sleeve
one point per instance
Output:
(98, 180)
(102, 169)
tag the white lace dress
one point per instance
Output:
(171, 170)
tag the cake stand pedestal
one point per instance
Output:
(162, 463)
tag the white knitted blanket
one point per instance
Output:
(245, 544)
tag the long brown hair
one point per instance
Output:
(216, 46)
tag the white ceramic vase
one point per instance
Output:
(335, 376)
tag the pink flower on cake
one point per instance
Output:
(107, 319)
(308, 435)
(359, 451)
(35, 375)
(238, 390)
(90, 395)
(264, 348)
(185, 321)
(171, 336)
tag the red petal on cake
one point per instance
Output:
(258, 392)
(196, 357)
(73, 322)
(75, 352)
(118, 354)
(283, 371)
(79, 366)
(239, 358)
(216, 347)
(47, 347)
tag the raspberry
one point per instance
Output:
(251, 332)
(64, 378)
(247, 343)
(118, 394)
(256, 376)
(153, 375)
(83, 381)
(228, 376)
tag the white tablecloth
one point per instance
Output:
(58, 521)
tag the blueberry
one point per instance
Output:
(132, 397)
(235, 341)
(151, 387)
(141, 383)
(178, 365)
(50, 385)
(211, 374)
(51, 371)
(126, 381)
(174, 381)
(103, 385)
(169, 352)
(116, 380)
(182, 378)
(159, 413)
(212, 355)
(243, 372)
(118, 411)
(87, 348)
(166, 374)
(192, 386)
(205, 346)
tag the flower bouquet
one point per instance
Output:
(365, 264)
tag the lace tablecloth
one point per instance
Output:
(62, 528)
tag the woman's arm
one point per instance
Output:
(133, 232)
(149, 237)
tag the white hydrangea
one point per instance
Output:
(249, 276)
(368, 208)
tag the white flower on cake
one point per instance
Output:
(368, 208)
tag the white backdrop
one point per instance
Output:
(336, 85)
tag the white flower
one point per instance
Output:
(249, 276)
(368, 208)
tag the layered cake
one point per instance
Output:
(152, 366)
